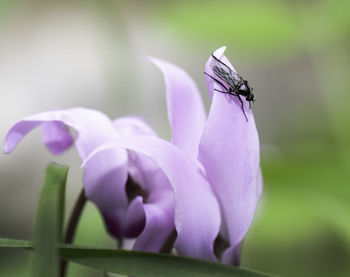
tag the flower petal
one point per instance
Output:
(56, 137)
(158, 212)
(186, 111)
(197, 216)
(93, 127)
(128, 222)
(135, 218)
(131, 125)
(104, 180)
(229, 152)
(105, 175)
(159, 225)
(159, 199)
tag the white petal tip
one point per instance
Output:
(220, 51)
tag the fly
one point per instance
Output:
(231, 82)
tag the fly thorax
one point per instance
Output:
(244, 90)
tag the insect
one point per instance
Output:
(231, 82)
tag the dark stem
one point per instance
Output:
(72, 226)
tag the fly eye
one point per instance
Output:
(250, 97)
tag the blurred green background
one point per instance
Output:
(294, 53)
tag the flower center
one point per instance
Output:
(133, 189)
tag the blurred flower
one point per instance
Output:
(204, 182)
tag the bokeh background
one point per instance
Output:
(87, 53)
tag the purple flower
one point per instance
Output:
(203, 183)
(225, 147)
(105, 176)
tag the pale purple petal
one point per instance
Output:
(104, 180)
(229, 152)
(17, 132)
(159, 212)
(232, 255)
(93, 127)
(197, 216)
(132, 125)
(186, 112)
(135, 218)
(128, 222)
(56, 137)
(158, 199)
(144, 171)
(105, 175)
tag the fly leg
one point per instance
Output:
(230, 92)
(216, 80)
(226, 92)
(250, 104)
(240, 100)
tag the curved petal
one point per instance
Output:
(158, 210)
(128, 222)
(104, 180)
(232, 255)
(106, 174)
(56, 137)
(135, 218)
(131, 125)
(229, 152)
(93, 127)
(159, 213)
(197, 216)
(159, 202)
(144, 172)
(186, 112)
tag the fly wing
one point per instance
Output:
(231, 82)
(216, 62)
(225, 73)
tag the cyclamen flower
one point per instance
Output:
(225, 146)
(203, 183)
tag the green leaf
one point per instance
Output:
(141, 264)
(15, 243)
(144, 264)
(49, 221)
